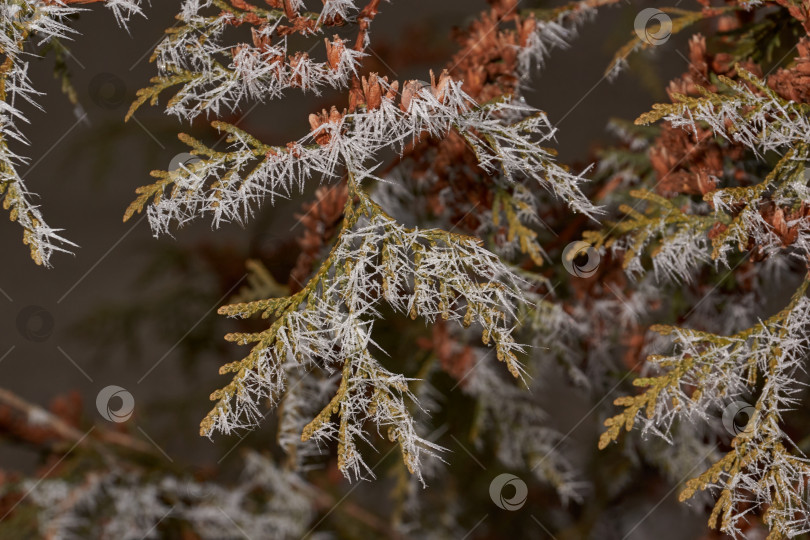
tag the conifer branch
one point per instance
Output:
(327, 325)
(706, 373)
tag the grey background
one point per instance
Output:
(86, 176)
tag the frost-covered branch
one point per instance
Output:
(21, 22)
(521, 427)
(683, 244)
(328, 324)
(229, 184)
(215, 78)
(123, 503)
(749, 113)
(767, 216)
(708, 372)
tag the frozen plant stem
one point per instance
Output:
(326, 325)
(23, 22)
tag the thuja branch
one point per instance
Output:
(14, 85)
(707, 372)
(327, 326)
(19, 22)
(42, 419)
(214, 78)
(229, 184)
(682, 19)
(766, 218)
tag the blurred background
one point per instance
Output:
(140, 313)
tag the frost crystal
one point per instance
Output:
(37, 21)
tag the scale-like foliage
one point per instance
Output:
(32, 22)
(438, 201)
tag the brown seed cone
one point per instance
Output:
(320, 219)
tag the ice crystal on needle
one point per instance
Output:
(215, 79)
(267, 502)
(706, 373)
(229, 184)
(430, 273)
(427, 273)
(21, 21)
(442, 202)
